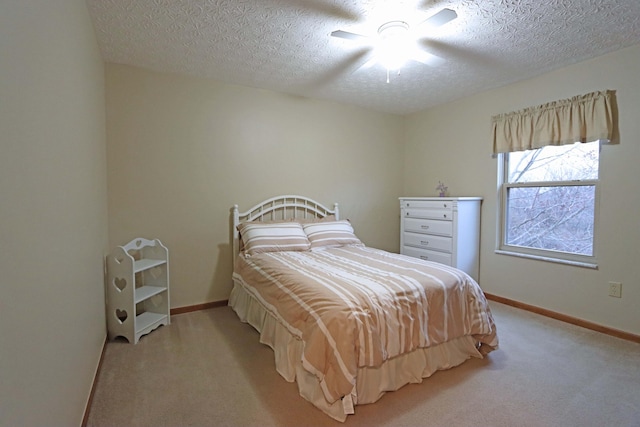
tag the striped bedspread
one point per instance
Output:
(356, 307)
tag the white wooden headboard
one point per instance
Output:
(276, 209)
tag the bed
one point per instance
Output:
(347, 322)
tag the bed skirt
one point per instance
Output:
(371, 384)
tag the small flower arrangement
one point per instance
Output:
(442, 189)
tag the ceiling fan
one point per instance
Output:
(396, 42)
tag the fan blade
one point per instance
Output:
(371, 61)
(427, 58)
(440, 18)
(347, 35)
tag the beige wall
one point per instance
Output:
(53, 212)
(452, 143)
(182, 151)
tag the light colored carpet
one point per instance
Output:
(208, 369)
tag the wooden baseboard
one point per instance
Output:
(197, 307)
(513, 303)
(85, 418)
(568, 319)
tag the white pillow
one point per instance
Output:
(273, 237)
(331, 234)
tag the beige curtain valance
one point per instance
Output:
(583, 118)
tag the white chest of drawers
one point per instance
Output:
(442, 229)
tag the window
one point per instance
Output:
(548, 186)
(548, 198)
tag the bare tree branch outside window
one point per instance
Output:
(551, 198)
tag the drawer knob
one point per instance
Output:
(424, 257)
(445, 205)
(426, 243)
(424, 227)
(445, 215)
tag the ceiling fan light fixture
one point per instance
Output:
(395, 44)
(393, 29)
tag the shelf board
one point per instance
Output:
(146, 292)
(145, 264)
(147, 319)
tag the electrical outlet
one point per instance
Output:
(615, 289)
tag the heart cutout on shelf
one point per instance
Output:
(121, 315)
(119, 283)
(156, 300)
(156, 272)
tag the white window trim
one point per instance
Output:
(541, 254)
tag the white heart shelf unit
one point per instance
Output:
(137, 289)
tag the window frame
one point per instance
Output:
(588, 261)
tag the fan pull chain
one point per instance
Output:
(388, 72)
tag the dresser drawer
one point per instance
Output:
(427, 255)
(416, 225)
(427, 204)
(428, 241)
(443, 214)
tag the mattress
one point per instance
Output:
(351, 323)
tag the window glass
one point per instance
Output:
(549, 201)
(551, 218)
(555, 163)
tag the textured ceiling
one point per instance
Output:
(285, 45)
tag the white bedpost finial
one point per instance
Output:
(337, 211)
(235, 235)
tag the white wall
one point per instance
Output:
(182, 151)
(53, 213)
(452, 143)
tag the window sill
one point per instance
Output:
(548, 259)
